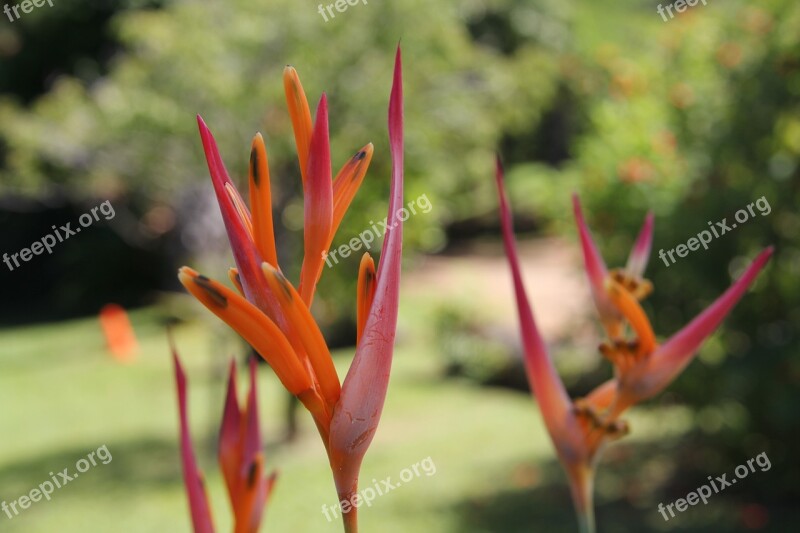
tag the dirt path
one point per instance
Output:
(480, 277)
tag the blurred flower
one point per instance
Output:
(665, 143)
(729, 55)
(681, 95)
(580, 429)
(757, 20)
(275, 318)
(635, 170)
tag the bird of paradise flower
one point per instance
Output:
(643, 368)
(275, 318)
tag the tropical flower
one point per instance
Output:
(240, 458)
(274, 316)
(642, 367)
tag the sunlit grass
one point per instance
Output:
(63, 397)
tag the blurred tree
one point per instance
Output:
(31, 61)
(134, 129)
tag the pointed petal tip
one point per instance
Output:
(499, 170)
(576, 205)
(187, 274)
(201, 124)
(679, 350)
(640, 253)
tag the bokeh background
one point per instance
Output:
(693, 119)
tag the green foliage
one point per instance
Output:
(695, 125)
(134, 130)
(471, 350)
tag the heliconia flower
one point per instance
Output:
(645, 368)
(275, 318)
(597, 272)
(580, 429)
(240, 458)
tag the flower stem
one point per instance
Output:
(350, 521)
(582, 486)
(350, 518)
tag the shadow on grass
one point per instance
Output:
(536, 497)
(135, 464)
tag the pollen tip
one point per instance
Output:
(208, 286)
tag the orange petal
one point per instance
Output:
(603, 396)
(261, 202)
(366, 293)
(347, 183)
(300, 114)
(248, 519)
(303, 323)
(629, 306)
(253, 325)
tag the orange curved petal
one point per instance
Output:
(261, 202)
(365, 293)
(347, 183)
(253, 325)
(629, 306)
(303, 323)
(300, 114)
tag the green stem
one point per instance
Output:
(582, 486)
(350, 521)
(350, 518)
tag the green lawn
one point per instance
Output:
(63, 397)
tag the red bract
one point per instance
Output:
(642, 367)
(275, 318)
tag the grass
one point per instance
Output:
(64, 397)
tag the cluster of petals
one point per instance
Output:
(274, 316)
